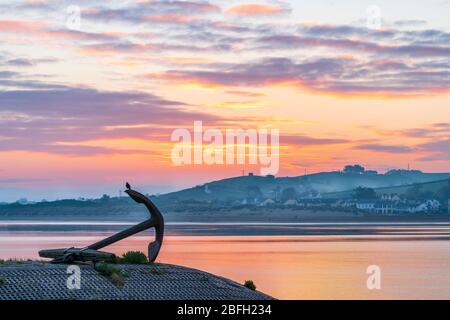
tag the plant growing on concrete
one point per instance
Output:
(133, 257)
(250, 285)
(115, 275)
(12, 261)
(2, 280)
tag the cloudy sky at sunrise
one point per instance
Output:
(85, 107)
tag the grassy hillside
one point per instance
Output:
(433, 186)
(325, 182)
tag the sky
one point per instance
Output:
(91, 91)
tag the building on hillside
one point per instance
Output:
(250, 201)
(398, 207)
(429, 206)
(405, 208)
(267, 202)
(345, 203)
(384, 207)
(365, 205)
(291, 202)
(390, 197)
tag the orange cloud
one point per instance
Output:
(238, 104)
(189, 60)
(254, 9)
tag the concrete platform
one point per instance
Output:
(44, 281)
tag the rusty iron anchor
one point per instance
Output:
(92, 253)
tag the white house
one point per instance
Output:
(384, 207)
(428, 206)
(365, 205)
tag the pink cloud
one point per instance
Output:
(41, 29)
(20, 25)
(337, 76)
(171, 18)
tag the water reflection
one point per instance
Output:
(414, 260)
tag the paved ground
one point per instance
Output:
(39, 281)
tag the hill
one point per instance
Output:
(239, 188)
(223, 199)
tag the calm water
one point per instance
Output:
(298, 262)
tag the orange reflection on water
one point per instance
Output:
(289, 267)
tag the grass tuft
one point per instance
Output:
(133, 257)
(115, 275)
(2, 280)
(250, 285)
(12, 261)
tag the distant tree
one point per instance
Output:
(402, 172)
(355, 169)
(371, 172)
(362, 193)
(288, 194)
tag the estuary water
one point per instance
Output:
(285, 260)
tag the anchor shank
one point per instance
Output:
(122, 235)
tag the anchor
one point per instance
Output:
(91, 253)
